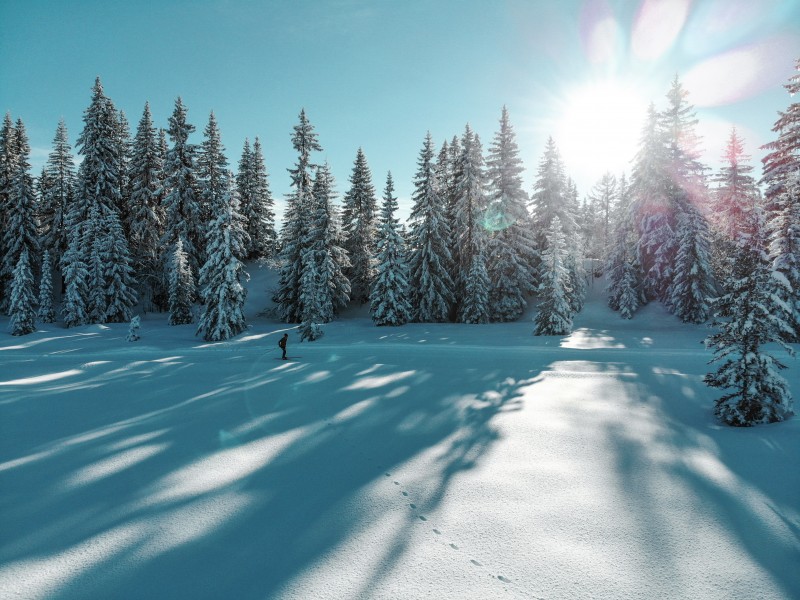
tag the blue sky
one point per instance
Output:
(379, 74)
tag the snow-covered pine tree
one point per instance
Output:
(120, 286)
(124, 158)
(474, 307)
(221, 276)
(782, 177)
(692, 285)
(58, 191)
(431, 287)
(181, 287)
(555, 314)
(76, 277)
(596, 223)
(512, 255)
(146, 172)
(287, 297)
(550, 197)
(46, 313)
(8, 157)
(21, 232)
(389, 303)
(733, 200)
(469, 192)
(181, 205)
(652, 210)
(22, 306)
(749, 315)
(261, 219)
(358, 223)
(621, 267)
(576, 289)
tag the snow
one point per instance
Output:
(422, 461)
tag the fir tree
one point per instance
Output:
(120, 294)
(23, 301)
(550, 197)
(146, 173)
(46, 313)
(621, 268)
(124, 157)
(21, 232)
(181, 287)
(783, 158)
(358, 223)
(8, 159)
(597, 220)
(692, 286)
(76, 276)
(555, 314)
(304, 141)
(474, 307)
(389, 303)
(133, 329)
(221, 276)
(749, 315)
(261, 217)
(512, 255)
(430, 283)
(181, 204)
(58, 191)
(469, 185)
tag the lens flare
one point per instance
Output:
(657, 26)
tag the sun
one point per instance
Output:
(599, 128)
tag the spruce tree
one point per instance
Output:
(469, 193)
(431, 286)
(782, 178)
(749, 315)
(58, 191)
(261, 218)
(46, 313)
(512, 255)
(692, 285)
(223, 272)
(124, 157)
(621, 267)
(76, 277)
(597, 225)
(550, 197)
(555, 314)
(146, 172)
(287, 297)
(8, 158)
(474, 307)
(23, 301)
(117, 273)
(181, 287)
(358, 223)
(389, 303)
(181, 204)
(20, 232)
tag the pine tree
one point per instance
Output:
(555, 314)
(431, 286)
(8, 159)
(287, 297)
(512, 255)
(181, 202)
(21, 232)
(550, 197)
(124, 158)
(621, 268)
(389, 303)
(358, 223)
(133, 329)
(475, 305)
(23, 301)
(782, 177)
(261, 218)
(181, 287)
(46, 313)
(692, 285)
(117, 273)
(146, 171)
(221, 276)
(76, 276)
(749, 315)
(469, 192)
(653, 211)
(58, 191)
(597, 221)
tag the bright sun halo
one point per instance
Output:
(600, 127)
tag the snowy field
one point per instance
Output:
(427, 461)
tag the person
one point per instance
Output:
(282, 344)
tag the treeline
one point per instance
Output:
(168, 225)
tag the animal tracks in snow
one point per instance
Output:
(451, 545)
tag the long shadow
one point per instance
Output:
(175, 490)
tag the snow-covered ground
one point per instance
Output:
(427, 461)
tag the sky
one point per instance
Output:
(380, 74)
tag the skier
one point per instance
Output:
(282, 344)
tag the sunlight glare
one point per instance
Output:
(657, 26)
(599, 128)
